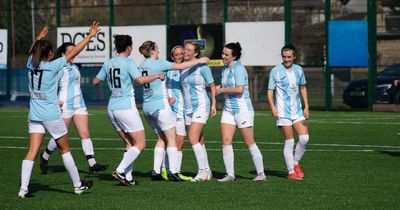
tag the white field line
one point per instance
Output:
(218, 142)
(218, 150)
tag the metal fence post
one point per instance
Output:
(328, 94)
(371, 53)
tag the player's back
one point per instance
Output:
(119, 72)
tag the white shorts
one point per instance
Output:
(199, 117)
(56, 128)
(69, 113)
(180, 127)
(281, 121)
(161, 120)
(241, 119)
(127, 120)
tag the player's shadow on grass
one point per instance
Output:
(36, 187)
(220, 175)
(281, 174)
(56, 169)
(391, 153)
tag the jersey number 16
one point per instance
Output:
(115, 79)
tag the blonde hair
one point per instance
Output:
(146, 47)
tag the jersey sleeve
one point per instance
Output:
(240, 75)
(133, 70)
(302, 77)
(58, 64)
(165, 65)
(206, 73)
(102, 73)
(29, 62)
(272, 82)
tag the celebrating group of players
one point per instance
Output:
(175, 101)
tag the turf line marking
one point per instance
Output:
(218, 142)
(219, 150)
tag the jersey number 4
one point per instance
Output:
(115, 79)
(33, 73)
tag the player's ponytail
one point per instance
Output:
(146, 48)
(41, 51)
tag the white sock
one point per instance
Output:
(69, 164)
(128, 172)
(179, 161)
(199, 153)
(87, 147)
(257, 158)
(158, 158)
(288, 154)
(128, 159)
(172, 159)
(206, 164)
(51, 147)
(300, 148)
(26, 171)
(228, 156)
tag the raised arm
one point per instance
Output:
(42, 34)
(188, 64)
(304, 96)
(147, 79)
(79, 47)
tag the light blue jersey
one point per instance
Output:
(174, 91)
(193, 82)
(43, 90)
(69, 88)
(119, 72)
(286, 85)
(154, 93)
(232, 77)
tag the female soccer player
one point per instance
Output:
(287, 82)
(72, 108)
(238, 112)
(122, 111)
(175, 99)
(197, 107)
(157, 109)
(44, 114)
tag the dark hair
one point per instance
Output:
(236, 50)
(121, 42)
(196, 48)
(41, 51)
(289, 47)
(146, 47)
(62, 49)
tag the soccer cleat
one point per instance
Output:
(174, 177)
(22, 193)
(294, 176)
(184, 178)
(155, 176)
(97, 167)
(200, 177)
(208, 175)
(44, 164)
(227, 178)
(260, 177)
(130, 182)
(85, 185)
(298, 171)
(120, 177)
(164, 174)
